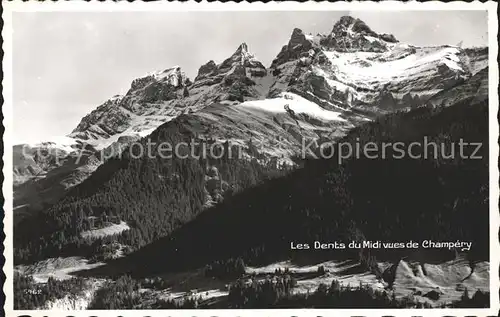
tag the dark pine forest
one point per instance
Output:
(438, 198)
(154, 196)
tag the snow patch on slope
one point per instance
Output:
(296, 103)
(62, 143)
(375, 68)
(141, 126)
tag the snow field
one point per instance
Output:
(296, 103)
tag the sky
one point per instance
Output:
(66, 64)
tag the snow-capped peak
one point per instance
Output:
(116, 98)
(63, 143)
(173, 76)
(242, 49)
(242, 56)
(355, 66)
(349, 26)
(352, 25)
(350, 34)
(320, 79)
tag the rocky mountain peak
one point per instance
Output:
(242, 62)
(206, 70)
(120, 114)
(234, 79)
(241, 57)
(352, 34)
(348, 23)
(173, 76)
(298, 46)
(345, 21)
(298, 38)
(242, 49)
(317, 87)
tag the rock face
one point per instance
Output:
(298, 47)
(235, 78)
(475, 89)
(350, 34)
(148, 101)
(36, 160)
(274, 129)
(349, 71)
(354, 66)
(207, 70)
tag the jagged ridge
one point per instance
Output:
(353, 72)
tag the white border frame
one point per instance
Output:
(93, 6)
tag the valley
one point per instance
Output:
(413, 282)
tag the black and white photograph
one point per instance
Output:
(262, 157)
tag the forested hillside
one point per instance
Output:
(153, 195)
(443, 199)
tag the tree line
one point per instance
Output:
(361, 199)
(154, 196)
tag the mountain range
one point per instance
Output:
(332, 82)
(349, 84)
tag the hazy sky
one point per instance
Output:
(66, 64)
